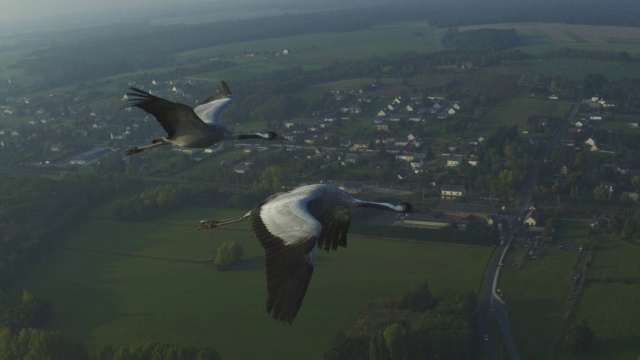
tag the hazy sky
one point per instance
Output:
(32, 10)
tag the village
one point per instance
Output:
(71, 134)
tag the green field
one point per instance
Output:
(518, 110)
(536, 295)
(571, 233)
(122, 283)
(610, 300)
(325, 48)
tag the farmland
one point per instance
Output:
(121, 283)
(537, 294)
(610, 298)
(118, 283)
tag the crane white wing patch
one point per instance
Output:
(209, 112)
(290, 220)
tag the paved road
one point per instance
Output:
(490, 302)
(492, 305)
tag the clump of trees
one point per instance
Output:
(602, 55)
(580, 337)
(30, 343)
(416, 325)
(227, 255)
(23, 312)
(39, 344)
(158, 201)
(158, 351)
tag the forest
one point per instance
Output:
(416, 325)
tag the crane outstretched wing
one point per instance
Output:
(288, 226)
(288, 267)
(174, 117)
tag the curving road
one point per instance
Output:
(491, 304)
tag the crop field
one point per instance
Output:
(569, 33)
(518, 110)
(324, 48)
(538, 38)
(620, 123)
(575, 70)
(537, 294)
(122, 283)
(571, 233)
(610, 300)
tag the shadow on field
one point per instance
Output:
(249, 264)
(619, 345)
(116, 253)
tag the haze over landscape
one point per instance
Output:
(511, 127)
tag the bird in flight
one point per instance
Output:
(189, 127)
(289, 226)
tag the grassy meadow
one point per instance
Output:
(123, 283)
(324, 48)
(571, 233)
(537, 295)
(610, 300)
(537, 292)
(517, 111)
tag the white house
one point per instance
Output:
(531, 219)
(452, 192)
(453, 161)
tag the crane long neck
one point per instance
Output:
(251, 136)
(379, 205)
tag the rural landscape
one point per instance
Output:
(512, 129)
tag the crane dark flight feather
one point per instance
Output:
(288, 269)
(173, 117)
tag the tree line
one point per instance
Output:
(35, 210)
(153, 202)
(37, 344)
(417, 325)
(600, 55)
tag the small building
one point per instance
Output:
(451, 192)
(241, 168)
(351, 158)
(531, 219)
(453, 161)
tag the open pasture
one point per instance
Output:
(610, 300)
(568, 33)
(571, 233)
(576, 70)
(123, 283)
(537, 294)
(518, 110)
(321, 49)
(539, 37)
